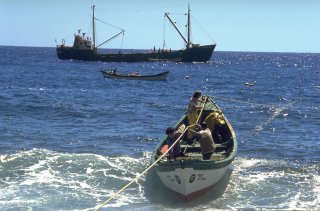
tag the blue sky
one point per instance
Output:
(235, 25)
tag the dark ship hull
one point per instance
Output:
(193, 54)
(85, 49)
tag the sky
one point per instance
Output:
(234, 25)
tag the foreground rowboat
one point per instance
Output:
(189, 176)
(155, 77)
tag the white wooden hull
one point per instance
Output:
(189, 183)
(156, 77)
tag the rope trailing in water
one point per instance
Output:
(278, 109)
(147, 169)
(250, 103)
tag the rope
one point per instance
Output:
(259, 127)
(116, 27)
(248, 102)
(122, 41)
(203, 30)
(147, 169)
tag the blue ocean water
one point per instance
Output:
(70, 139)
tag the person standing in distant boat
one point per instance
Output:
(204, 137)
(192, 111)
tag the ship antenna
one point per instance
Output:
(93, 29)
(188, 44)
(164, 32)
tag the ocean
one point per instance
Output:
(70, 139)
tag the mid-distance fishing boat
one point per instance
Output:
(152, 77)
(189, 176)
(87, 50)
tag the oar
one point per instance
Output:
(139, 175)
(204, 104)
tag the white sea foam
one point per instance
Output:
(91, 179)
(281, 183)
(6, 158)
(72, 177)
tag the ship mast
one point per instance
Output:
(93, 29)
(95, 46)
(188, 44)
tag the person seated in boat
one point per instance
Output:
(193, 111)
(173, 135)
(113, 71)
(205, 139)
(135, 74)
(214, 118)
(218, 126)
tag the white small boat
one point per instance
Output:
(189, 176)
(153, 77)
